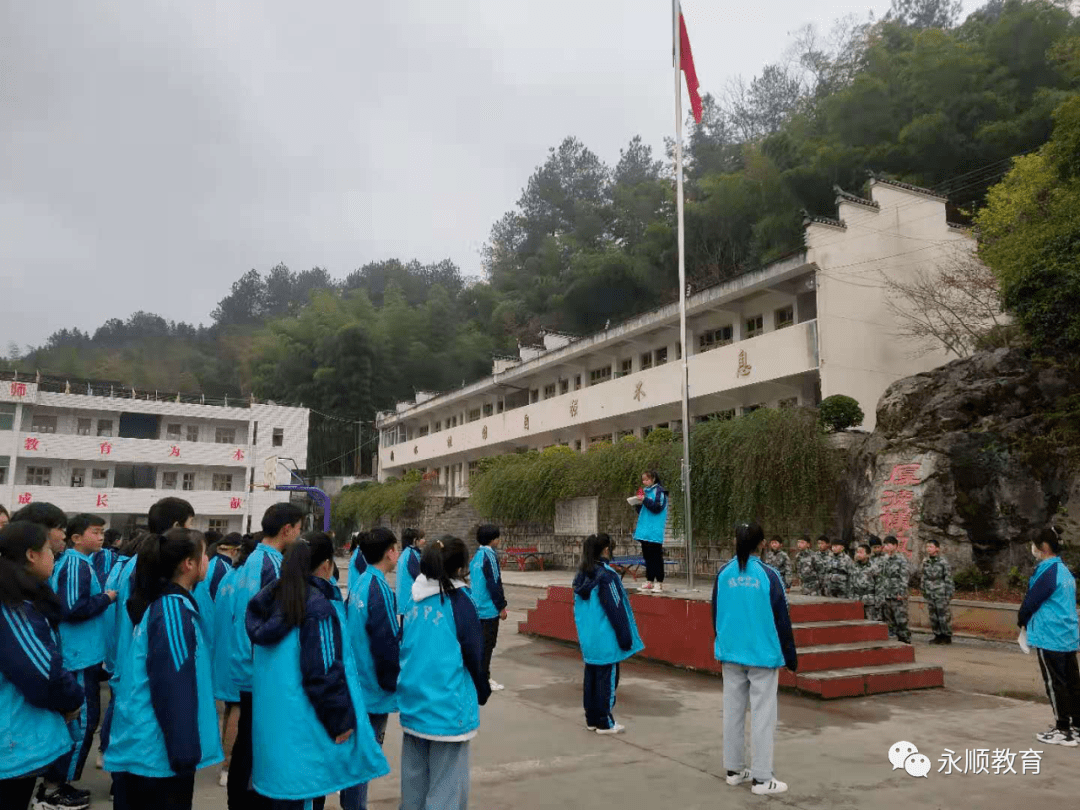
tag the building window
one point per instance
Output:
(622, 434)
(564, 387)
(473, 467)
(188, 482)
(489, 409)
(5, 463)
(99, 478)
(600, 439)
(577, 382)
(192, 433)
(172, 432)
(222, 482)
(755, 326)
(534, 395)
(84, 427)
(168, 480)
(39, 476)
(645, 431)
(785, 316)
(646, 360)
(438, 427)
(749, 409)
(78, 476)
(278, 437)
(577, 445)
(474, 415)
(7, 416)
(661, 356)
(104, 427)
(225, 436)
(790, 402)
(626, 367)
(423, 431)
(500, 406)
(549, 391)
(599, 375)
(715, 338)
(220, 525)
(43, 424)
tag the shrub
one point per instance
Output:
(1015, 579)
(839, 412)
(660, 436)
(972, 579)
(395, 498)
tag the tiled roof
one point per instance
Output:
(928, 192)
(854, 198)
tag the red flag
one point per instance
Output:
(686, 59)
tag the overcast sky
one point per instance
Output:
(151, 152)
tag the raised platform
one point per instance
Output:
(840, 653)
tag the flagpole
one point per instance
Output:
(687, 524)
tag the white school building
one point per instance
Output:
(115, 455)
(803, 328)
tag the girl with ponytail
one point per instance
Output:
(37, 695)
(441, 685)
(164, 727)
(306, 695)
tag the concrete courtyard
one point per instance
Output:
(534, 752)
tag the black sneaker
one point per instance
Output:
(946, 639)
(936, 640)
(61, 797)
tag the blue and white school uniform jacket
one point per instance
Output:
(36, 690)
(262, 568)
(224, 638)
(357, 566)
(607, 632)
(83, 622)
(165, 722)
(104, 561)
(206, 594)
(652, 515)
(441, 685)
(750, 617)
(306, 693)
(408, 569)
(375, 637)
(487, 588)
(112, 614)
(124, 629)
(1049, 608)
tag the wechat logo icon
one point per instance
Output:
(905, 755)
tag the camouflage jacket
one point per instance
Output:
(937, 581)
(782, 563)
(839, 575)
(893, 580)
(821, 563)
(864, 582)
(805, 565)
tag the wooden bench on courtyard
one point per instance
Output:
(522, 554)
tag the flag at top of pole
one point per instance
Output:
(687, 59)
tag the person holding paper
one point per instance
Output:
(652, 521)
(1048, 619)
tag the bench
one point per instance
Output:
(633, 565)
(522, 554)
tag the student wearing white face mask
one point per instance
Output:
(1048, 615)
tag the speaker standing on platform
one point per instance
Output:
(651, 524)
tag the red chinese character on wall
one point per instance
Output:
(102, 499)
(238, 455)
(897, 523)
(234, 503)
(31, 444)
(18, 389)
(174, 452)
(105, 448)
(905, 475)
(897, 500)
(25, 498)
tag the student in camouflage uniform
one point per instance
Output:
(893, 590)
(877, 559)
(778, 558)
(821, 562)
(937, 589)
(805, 565)
(864, 582)
(839, 573)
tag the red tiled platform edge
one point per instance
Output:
(840, 653)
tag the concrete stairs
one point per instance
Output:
(840, 653)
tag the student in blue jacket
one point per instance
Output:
(311, 733)
(280, 529)
(651, 525)
(606, 630)
(408, 567)
(357, 563)
(164, 727)
(753, 640)
(105, 560)
(1048, 614)
(83, 633)
(222, 554)
(441, 685)
(375, 637)
(38, 696)
(485, 579)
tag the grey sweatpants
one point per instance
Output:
(753, 688)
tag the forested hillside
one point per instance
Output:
(918, 96)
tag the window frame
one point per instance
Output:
(42, 476)
(94, 477)
(785, 323)
(277, 437)
(105, 428)
(224, 435)
(172, 475)
(78, 474)
(37, 427)
(219, 480)
(753, 331)
(184, 479)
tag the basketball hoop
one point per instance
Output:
(270, 468)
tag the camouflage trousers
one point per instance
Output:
(871, 608)
(940, 616)
(894, 612)
(810, 586)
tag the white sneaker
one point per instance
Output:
(1057, 737)
(646, 587)
(615, 729)
(772, 786)
(495, 686)
(658, 588)
(223, 780)
(738, 778)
